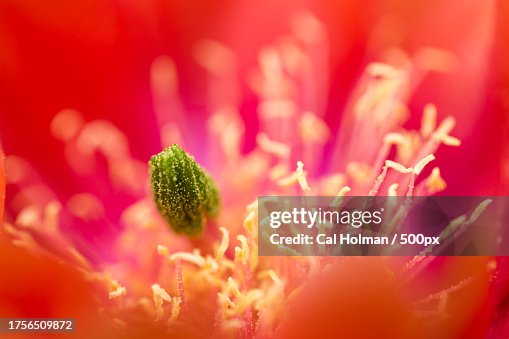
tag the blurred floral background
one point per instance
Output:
(90, 90)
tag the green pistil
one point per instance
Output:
(184, 193)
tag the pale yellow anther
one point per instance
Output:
(175, 310)
(422, 163)
(193, 258)
(238, 254)
(449, 140)
(119, 291)
(343, 191)
(243, 251)
(378, 69)
(163, 250)
(247, 300)
(159, 295)
(272, 147)
(429, 120)
(339, 197)
(406, 144)
(278, 171)
(446, 126)
(392, 191)
(233, 287)
(113, 283)
(223, 246)
(435, 182)
(157, 290)
(328, 185)
(394, 139)
(275, 278)
(225, 301)
(313, 129)
(288, 181)
(359, 172)
(249, 222)
(28, 217)
(264, 274)
(398, 167)
(301, 177)
(210, 264)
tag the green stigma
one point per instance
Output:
(184, 193)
